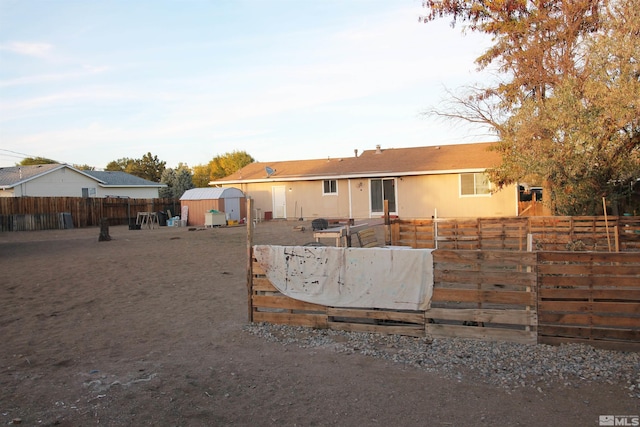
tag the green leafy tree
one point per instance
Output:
(30, 161)
(201, 176)
(228, 163)
(178, 181)
(84, 167)
(148, 167)
(566, 112)
(120, 165)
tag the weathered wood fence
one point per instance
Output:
(43, 213)
(556, 233)
(534, 297)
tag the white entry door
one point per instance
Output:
(279, 201)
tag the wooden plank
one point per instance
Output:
(588, 320)
(293, 319)
(470, 295)
(510, 278)
(397, 316)
(503, 257)
(408, 330)
(512, 317)
(480, 333)
(284, 302)
(590, 333)
(263, 284)
(597, 307)
(585, 294)
(612, 269)
(257, 269)
(587, 257)
(612, 281)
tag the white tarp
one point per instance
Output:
(394, 277)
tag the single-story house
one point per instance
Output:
(199, 201)
(61, 180)
(421, 182)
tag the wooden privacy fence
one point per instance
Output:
(589, 297)
(491, 289)
(556, 233)
(43, 213)
(545, 297)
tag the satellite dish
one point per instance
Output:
(270, 171)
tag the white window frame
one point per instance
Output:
(333, 193)
(476, 187)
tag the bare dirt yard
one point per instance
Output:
(150, 329)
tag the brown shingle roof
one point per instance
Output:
(386, 162)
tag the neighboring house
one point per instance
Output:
(423, 182)
(59, 180)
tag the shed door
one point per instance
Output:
(279, 201)
(232, 208)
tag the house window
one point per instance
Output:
(475, 184)
(330, 186)
(88, 192)
(381, 190)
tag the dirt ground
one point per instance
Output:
(147, 329)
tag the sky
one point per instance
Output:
(87, 82)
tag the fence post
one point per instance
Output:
(250, 258)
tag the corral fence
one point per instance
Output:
(526, 297)
(45, 213)
(555, 233)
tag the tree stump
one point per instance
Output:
(104, 230)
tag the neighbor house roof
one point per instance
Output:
(122, 179)
(211, 193)
(374, 163)
(16, 175)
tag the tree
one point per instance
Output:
(84, 167)
(229, 163)
(201, 176)
(178, 181)
(220, 166)
(567, 113)
(149, 167)
(120, 165)
(30, 161)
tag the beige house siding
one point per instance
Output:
(439, 195)
(54, 180)
(416, 197)
(59, 183)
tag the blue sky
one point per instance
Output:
(88, 82)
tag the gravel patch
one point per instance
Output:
(508, 365)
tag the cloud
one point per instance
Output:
(38, 50)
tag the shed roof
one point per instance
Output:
(212, 193)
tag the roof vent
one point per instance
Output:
(355, 152)
(378, 150)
